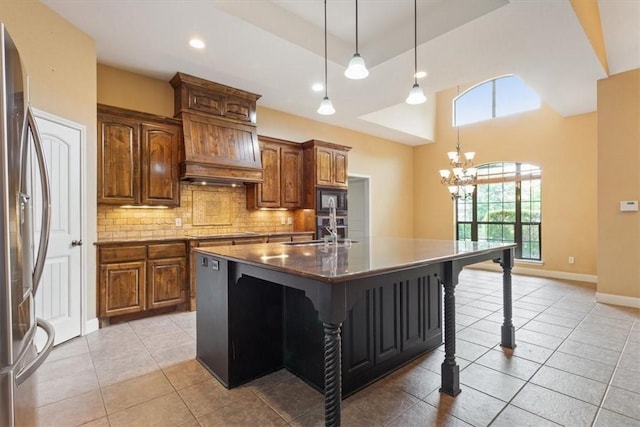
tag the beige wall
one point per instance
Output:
(619, 179)
(389, 164)
(61, 63)
(565, 149)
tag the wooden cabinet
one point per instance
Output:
(137, 277)
(325, 164)
(193, 94)
(282, 176)
(138, 158)
(122, 288)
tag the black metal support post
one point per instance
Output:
(332, 374)
(508, 331)
(450, 370)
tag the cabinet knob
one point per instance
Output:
(76, 243)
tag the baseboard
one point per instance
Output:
(618, 300)
(91, 325)
(590, 278)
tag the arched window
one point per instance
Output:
(505, 207)
(494, 98)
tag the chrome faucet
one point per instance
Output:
(333, 223)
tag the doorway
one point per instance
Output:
(60, 295)
(358, 220)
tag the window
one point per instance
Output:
(495, 98)
(506, 207)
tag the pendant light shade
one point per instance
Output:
(326, 107)
(416, 95)
(357, 69)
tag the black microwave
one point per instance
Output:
(325, 197)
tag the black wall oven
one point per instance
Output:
(324, 196)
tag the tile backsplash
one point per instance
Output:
(204, 211)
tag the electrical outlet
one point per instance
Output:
(283, 220)
(178, 222)
(572, 260)
(289, 220)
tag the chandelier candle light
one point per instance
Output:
(461, 178)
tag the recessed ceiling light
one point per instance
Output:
(421, 74)
(196, 44)
(317, 87)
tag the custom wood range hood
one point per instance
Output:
(220, 135)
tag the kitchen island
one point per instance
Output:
(252, 319)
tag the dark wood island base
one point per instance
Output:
(377, 303)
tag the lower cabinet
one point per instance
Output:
(162, 277)
(122, 288)
(139, 277)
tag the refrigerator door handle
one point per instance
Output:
(46, 202)
(42, 356)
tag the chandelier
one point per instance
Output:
(460, 179)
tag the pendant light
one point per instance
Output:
(416, 95)
(357, 69)
(326, 107)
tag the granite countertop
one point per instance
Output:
(366, 257)
(241, 234)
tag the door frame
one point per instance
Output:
(82, 129)
(367, 197)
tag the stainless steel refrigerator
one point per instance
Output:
(21, 264)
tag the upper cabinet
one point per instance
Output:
(325, 164)
(282, 176)
(138, 158)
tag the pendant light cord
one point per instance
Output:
(357, 26)
(325, 48)
(415, 41)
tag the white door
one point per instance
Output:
(59, 296)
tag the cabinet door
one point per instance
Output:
(160, 176)
(269, 190)
(239, 109)
(118, 160)
(166, 282)
(291, 177)
(358, 338)
(340, 178)
(324, 166)
(122, 288)
(387, 321)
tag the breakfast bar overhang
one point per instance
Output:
(242, 313)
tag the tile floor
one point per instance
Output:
(577, 363)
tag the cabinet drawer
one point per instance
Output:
(120, 253)
(167, 250)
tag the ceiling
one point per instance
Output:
(276, 48)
